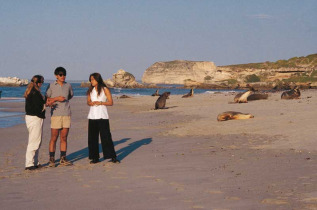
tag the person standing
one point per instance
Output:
(34, 117)
(58, 95)
(98, 98)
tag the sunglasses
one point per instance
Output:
(62, 75)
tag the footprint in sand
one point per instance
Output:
(119, 177)
(214, 192)
(274, 201)
(233, 198)
(198, 207)
(113, 187)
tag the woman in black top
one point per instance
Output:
(34, 117)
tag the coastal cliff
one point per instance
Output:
(295, 71)
(176, 72)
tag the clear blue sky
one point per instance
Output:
(104, 36)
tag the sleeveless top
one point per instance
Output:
(98, 112)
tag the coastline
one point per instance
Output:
(176, 158)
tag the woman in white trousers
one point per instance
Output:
(34, 117)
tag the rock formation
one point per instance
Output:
(178, 71)
(301, 71)
(122, 79)
(13, 81)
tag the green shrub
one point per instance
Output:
(252, 78)
(207, 78)
(232, 81)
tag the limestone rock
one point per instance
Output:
(124, 79)
(176, 72)
(13, 81)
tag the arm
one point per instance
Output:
(71, 92)
(91, 103)
(109, 101)
(49, 100)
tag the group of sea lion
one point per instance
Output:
(249, 96)
(244, 97)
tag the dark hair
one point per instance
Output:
(33, 85)
(60, 70)
(100, 81)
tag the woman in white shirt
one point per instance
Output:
(98, 98)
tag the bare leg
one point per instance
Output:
(64, 134)
(54, 136)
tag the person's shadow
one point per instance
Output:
(121, 153)
(124, 152)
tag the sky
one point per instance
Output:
(36, 36)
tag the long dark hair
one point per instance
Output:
(34, 84)
(100, 85)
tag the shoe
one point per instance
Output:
(38, 166)
(63, 161)
(94, 161)
(115, 160)
(51, 163)
(30, 168)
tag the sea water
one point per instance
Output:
(15, 94)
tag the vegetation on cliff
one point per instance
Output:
(309, 61)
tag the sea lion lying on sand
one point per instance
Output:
(161, 101)
(156, 93)
(231, 115)
(243, 97)
(190, 94)
(291, 94)
(257, 96)
(124, 96)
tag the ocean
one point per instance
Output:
(8, 119)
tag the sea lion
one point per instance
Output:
(124, 96)
(231, 115)
(291, 94)
(190, 94)
(257, 96)
(243, 97)
(156, 93)
(161, 101)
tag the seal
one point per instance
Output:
(257, 96)
(156, 93)
(232, 115)
(291, 94)
(161, 101)
(190, 94)
(124, 96)
(243, 97)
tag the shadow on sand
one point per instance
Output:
(121, 153)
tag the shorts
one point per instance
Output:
(58, 122)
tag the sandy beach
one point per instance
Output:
(176, 158)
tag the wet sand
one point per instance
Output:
(176, 158)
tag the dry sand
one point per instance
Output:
(177, 158)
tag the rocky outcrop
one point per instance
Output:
(13, 81)
(178, 71)
(122, 79)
